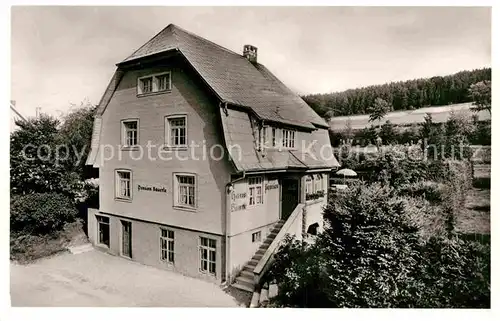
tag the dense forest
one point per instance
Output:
(402, 95)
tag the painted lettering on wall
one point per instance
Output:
(239, 197)
(151, 188)
(272, 184)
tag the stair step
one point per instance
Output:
(265, 246)
(242, 287)
(253, 263)
(257, 256)
(249, 268)
(246, 281)
(247, 273)
(261, 251)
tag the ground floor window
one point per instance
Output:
(256, 237)
(314, 187)
(167, 245)
(207, 255)
(103, 230)
(127, 238)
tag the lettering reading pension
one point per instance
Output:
(151, 189)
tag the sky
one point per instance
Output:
(61, 56)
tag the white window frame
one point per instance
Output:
(118, 195)
(97, 216)
(288, 138)
(255, 184)
(318, 182)
(176, 193)
(168, 240)
(124, 131)
(309, 184)
(168, 128)
(208, 249)
(155, 83)
(274, 137)
(140, 85)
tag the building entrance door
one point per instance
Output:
(127, 239)
(289, 196)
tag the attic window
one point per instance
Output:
(154, 83)
(288, 138)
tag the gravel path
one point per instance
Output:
(98, 279)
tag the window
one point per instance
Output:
(146, 85)
(154, 83)
(309, 184)
(318, 183)
(255, 190)
(207, 255)
(167, 245)
(273, 137)
(264, 137)
(130, 132)
(288, 138)
(185, 191)
(126, 238)
(256, 237)
(103, 230)
(123, 184)
(163, 82)
(175, 128)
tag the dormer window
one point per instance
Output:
(154, 83)
(279, 138)
(146, 85)
(288, 138)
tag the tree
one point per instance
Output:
(379, 109)
(388, 134)
(76, 134)
(436, 91)
(34, 167)
(457, 132)
(348, 133)
(480, 93)
(432, 138)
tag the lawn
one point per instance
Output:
(475, 218)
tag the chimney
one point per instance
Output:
(250, 52)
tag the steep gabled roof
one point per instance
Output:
(233, 78)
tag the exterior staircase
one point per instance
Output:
(245, 280)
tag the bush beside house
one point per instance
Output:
(49, 190)
(373, 254)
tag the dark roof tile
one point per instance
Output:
(236, 80)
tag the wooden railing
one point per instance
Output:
(290, 227)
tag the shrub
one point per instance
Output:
(429, 190)
(372, 254)
(41, 213)
(455, 274)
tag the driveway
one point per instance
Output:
(95, 279)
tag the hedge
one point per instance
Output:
(40, 213)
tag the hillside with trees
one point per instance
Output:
(402, 95)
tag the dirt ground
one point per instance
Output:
(95, 279)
